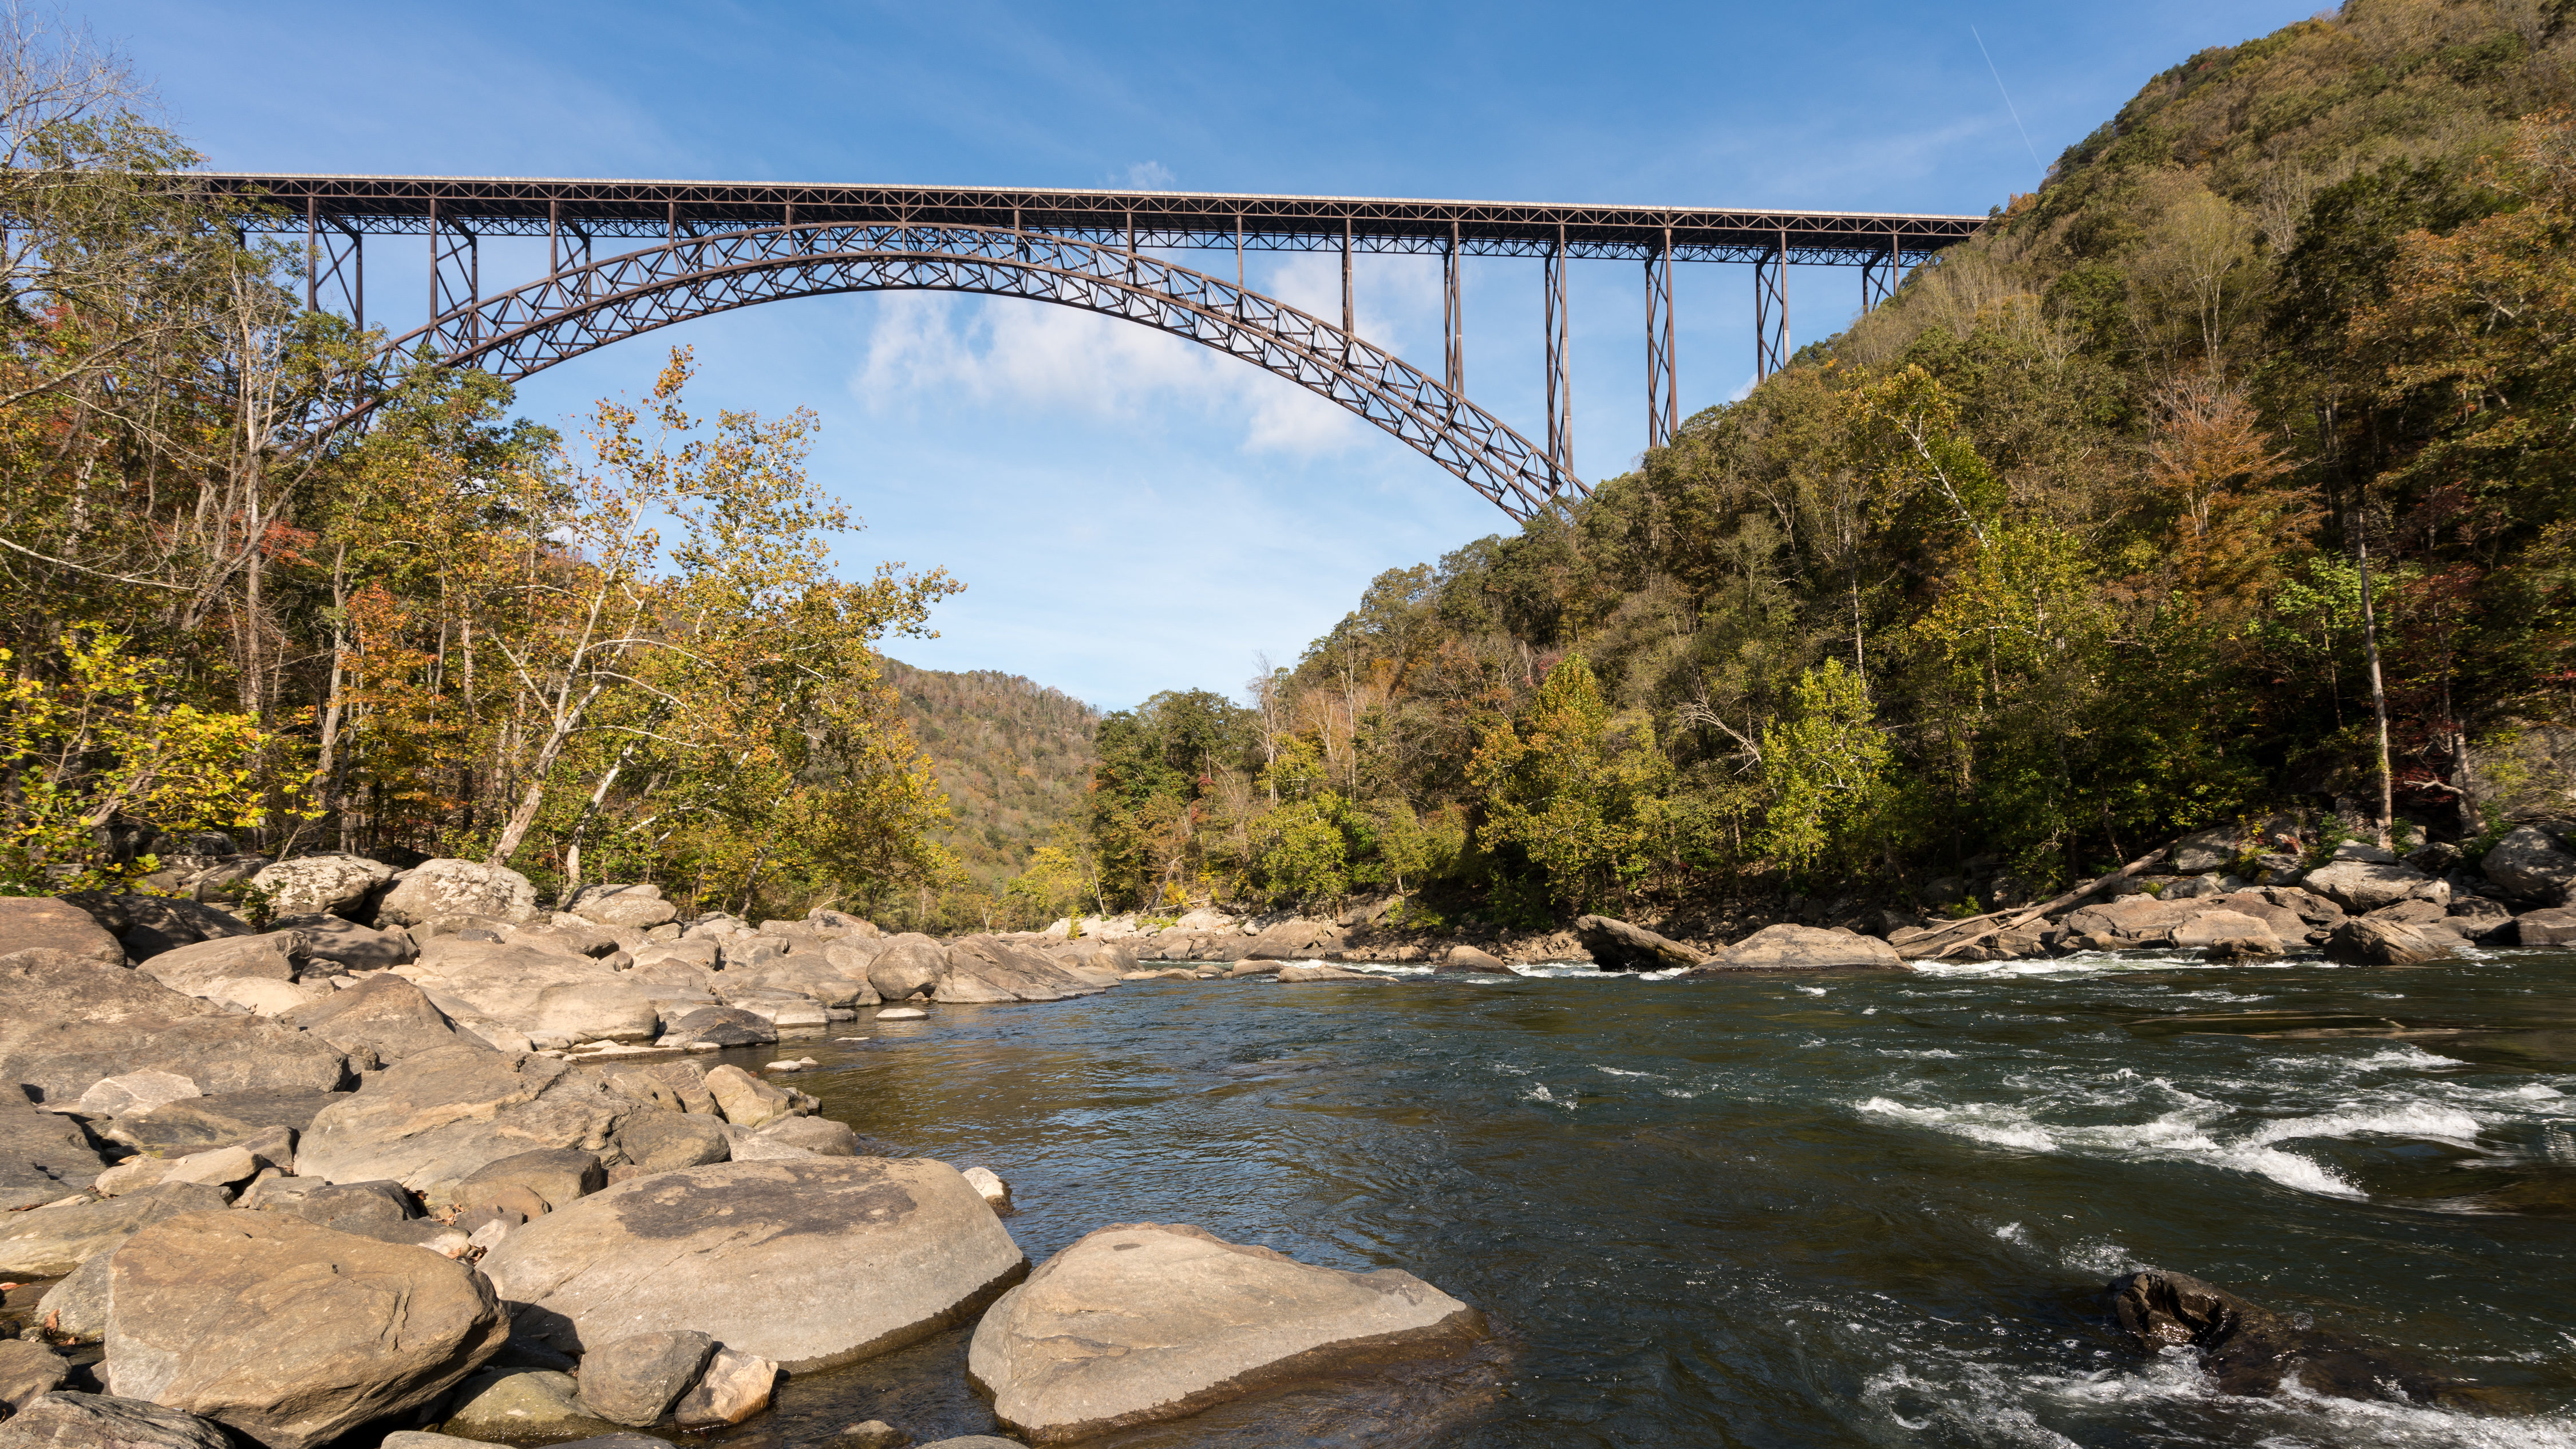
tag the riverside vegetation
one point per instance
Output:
(409, 808)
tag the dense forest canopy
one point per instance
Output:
(2140, 512)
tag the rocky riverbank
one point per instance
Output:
(462, 1157)
(465, 1155)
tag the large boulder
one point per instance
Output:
(1806, 948)
(553, 1176)
(63, 1420)
(2370, 941)
(2547, 928)
(67, 1022)
(495, 983)
(42, 923)
(2208, 850)
(319, 885)
(195, 969)
(435, 1119)
(1297, 940)
(290, 1333)
(1468, 960)
(2531, 866)
(661, 1141)
(639, 906)
(457, 888)
(28, 1370)
(342, 942)
(746, 1100)
(2362, 886)
(636, 1379)
(584, 1011)
(1138, 1322)
(906, 966)
(52, 1241)
(44, 1156)
(722, 1026)
(1616, 945)
(2230, 933)
(675, 1086)
(2249, 1349)
(229, 1119)
(385, 1016)
(808, 1262)
(991, 968)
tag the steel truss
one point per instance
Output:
(577, 309)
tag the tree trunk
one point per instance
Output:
(2378, 693)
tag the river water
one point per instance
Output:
(1793, 1211)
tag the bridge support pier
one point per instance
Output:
(455, 276)
(1771, 311)
(1879, 275)
(1453, 321)
(334, 259)
(1663, 380)
(1560, 373)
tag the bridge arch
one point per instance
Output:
(577, 309)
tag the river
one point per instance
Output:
(1792, 1211)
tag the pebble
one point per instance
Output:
(902, 1013)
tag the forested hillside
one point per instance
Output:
(1014, 758)
(2241, 446)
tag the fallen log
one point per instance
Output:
(2029, 914)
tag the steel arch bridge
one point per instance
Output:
(573, 311)
(716, 246)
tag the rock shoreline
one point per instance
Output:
(462, 1168)
(477, 1137)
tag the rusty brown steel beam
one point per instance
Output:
(523, 206)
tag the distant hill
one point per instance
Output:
(1014, 755)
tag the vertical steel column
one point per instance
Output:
(1238, 251)
(673, 235)
(1131, 244)
(335, 258)
(1560, 380)
(455, 281)
(1348, 325)
(1453, 323)
(1663, 381)
(1879, 275)
(1771, 311)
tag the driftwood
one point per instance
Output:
(2029, 914)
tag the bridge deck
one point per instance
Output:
(524, 206)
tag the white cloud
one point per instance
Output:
(1149, 176)
(1048, 358)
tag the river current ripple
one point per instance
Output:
(1792, 1211)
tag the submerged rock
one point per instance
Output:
(851, 1257)
(2249, 1349)
(1141, 1322)
(1318, 971)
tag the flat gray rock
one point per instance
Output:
(810, 1262)
(290, 1333)
(385, 1015)
(1141, 1322)
(436, 1118)
(270, 956)
(42, 923)
(68, 1023)
(28, 1369)
(52, 1241)
(193, 1124)
(1808, 948)
(44, 1156)
(2360, 886)
(62, 1420)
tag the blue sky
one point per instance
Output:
(1132, 513)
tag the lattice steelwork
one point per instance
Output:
(1108, 233)
(533, 327)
